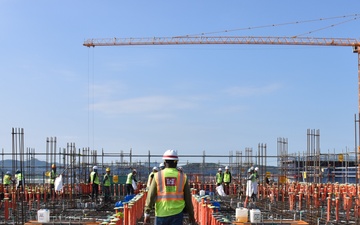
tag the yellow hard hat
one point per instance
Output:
(108, 169)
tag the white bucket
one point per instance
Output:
(202, 192)
(255, 216)
(43, 215)
(241, 215)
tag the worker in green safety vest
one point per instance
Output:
(7, 181)
(151, 176)
(107, 184)
(19, 179)
(219, 178)
(130, 181)
(53, 176)
(170, 194)
(94, 181)
(227, 180)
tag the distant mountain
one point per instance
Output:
(7, 165)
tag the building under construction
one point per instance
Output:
(311, 187)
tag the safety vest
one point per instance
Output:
(18, 176)
(129, 178)
(219, 178)
(253, 177)
(52, 177)
(170, 192)
(94, 178)
(151, 175)
(227, 177)
(107, 182)
(7, 179)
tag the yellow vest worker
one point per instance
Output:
(129, 182)
(107, 184)
(170, 194)
(151, 176)
(219, 177)
(94, 180)
(7, 179)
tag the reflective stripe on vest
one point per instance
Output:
(174, 195)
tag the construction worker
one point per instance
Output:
(249, 186)
(162, 166)
(170, 194)
(19, 178)
(94, 181)
(255, 184)
(53, 176)
(329, 173)
(7, 181)
(227, 180)
(131, 178)
(219, 178)
(180, 169)
(107, 184)
(151, 176)
(304, 176)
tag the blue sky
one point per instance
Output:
(191, 98)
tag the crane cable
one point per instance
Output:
(333, 25)
(355, 16)
(91, 96)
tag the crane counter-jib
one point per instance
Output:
(185, 40)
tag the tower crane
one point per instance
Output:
(254, 40)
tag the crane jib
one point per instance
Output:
(200, 40)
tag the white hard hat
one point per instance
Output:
(134, 171)
(180, 168)
(256, 168)
(155, 168)
(226, 167)
(170, 155)
(95, 167)
(252, 168)
(219, 169)
(162, 165)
